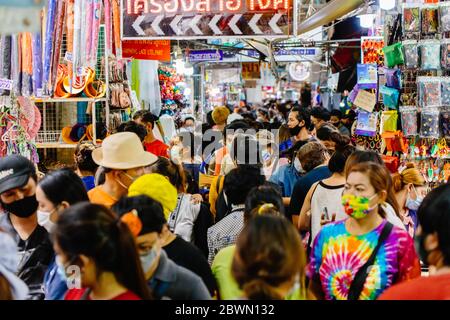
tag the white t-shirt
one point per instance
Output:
(182, 219)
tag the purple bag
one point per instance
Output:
(393, 78)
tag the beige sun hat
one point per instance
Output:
(123, 151)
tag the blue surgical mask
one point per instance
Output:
(61, 269)
(414, 204)
(148, 259)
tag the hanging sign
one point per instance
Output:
(300, 71)
(146, 49)
(205, 55)
(184, 19)
(251, 70)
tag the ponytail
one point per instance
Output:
(130, 273)
(340, 139)
(258, 289)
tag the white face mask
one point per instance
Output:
(414, 204)
(298, 166)
(44, 220)
(175, 154)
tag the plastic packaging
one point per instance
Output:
(430, 19)
(408, 116)
(390, 97)
(445, 122)
(411, 53)
(393, 55)
(444, 16)
(445, 91)
(429, 123)
(430, 54)
(367, 124)
(445, 55)
(411, 18)
(429, 91)
(393, 78)
(389, 121)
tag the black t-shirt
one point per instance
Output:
(187, 255)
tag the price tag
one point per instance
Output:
(135, 100)
(6, 84)
(68, 57)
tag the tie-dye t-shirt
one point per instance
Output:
(337, 255)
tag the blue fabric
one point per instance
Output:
(89, 182)
(54, 286)
(285, 145)
(286, 177)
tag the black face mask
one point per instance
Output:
(295, 131)
(22, 208)
(419, 243)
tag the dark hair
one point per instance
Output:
(209, 119)
(174, 172)
(134, 127)
(150, 212)
(303, 115)
(267, 193)
(434, 217)
(237, 125)
(328, 132)
(94, 231)
(146, 117)
(269, 252)
(358, 157)
(311, 155)
(339, 158)
(83, 157)
(239, 181)
(336, 113)
(320, 113)
(63, 185)
(264, 112)
(246, 151)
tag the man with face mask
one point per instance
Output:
(298, 122)
(157, 245)
(124, 158)
(18, 181)
(432, 243)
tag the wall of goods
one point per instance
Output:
(66, 75)
(403, 90)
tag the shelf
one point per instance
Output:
(67, 100)
(55, 145)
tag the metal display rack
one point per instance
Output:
(58, 113)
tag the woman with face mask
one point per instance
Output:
(269, 261)
(433, 245)
(57, 191)
(360, 257)
(97, 254)
(410, 189)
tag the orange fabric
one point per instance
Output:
(219, 157)
(213, 194)
(99, 196)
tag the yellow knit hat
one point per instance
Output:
(220, 115)
(158, 188)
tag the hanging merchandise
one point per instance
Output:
(37, 65)
(119, 88)
(444, 16)
(116, 27)
(445, 91)
(430, 123)
(430, 19)
(388, 121)
(48, 41)
(430, 54)
(429, 91)
(393, 78)
(58, 35)
(390, 97)
(367, 123)
(393, 55)
(26, 60)
(445, 122)
(411, 54)
(371, 49)
(411, 19)
(408, 116)
(445, 54)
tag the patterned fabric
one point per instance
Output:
(225, 232)
(337, 256)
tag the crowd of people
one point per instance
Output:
(268, 202)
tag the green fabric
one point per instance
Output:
(135, 77)
(228, 287)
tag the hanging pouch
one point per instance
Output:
(367, 124)
(389, 121)
(445, 122)
(429, 91)
(390, 97)
(444, 16)
(411, 18)
(430, 54)
(393, 55)
(393, 78)
(430, 123)
(445, 91)
(411, 54)
(408, 116)
(430, 19)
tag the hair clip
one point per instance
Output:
(132, 220)
(265, 207)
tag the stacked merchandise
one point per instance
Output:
(170, 91)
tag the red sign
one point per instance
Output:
(146, 49)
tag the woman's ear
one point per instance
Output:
(86, 262)
(64, 205)
(383, 196)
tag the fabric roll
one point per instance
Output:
(37, 63)
(15, 65)
(51, 13)
(108, 26)
(5, 59)
(58, 36)
(27, 63)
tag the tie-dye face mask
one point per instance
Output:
(357, 207)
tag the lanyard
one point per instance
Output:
(174, 215)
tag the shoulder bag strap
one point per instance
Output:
(361, 276)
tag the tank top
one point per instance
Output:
(325, 198)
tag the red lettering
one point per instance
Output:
(261, 4)
(140, 6)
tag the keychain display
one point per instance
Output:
(411, 18)
(430, 54)
(393, 78)
(429, 19)
(444, 16)
(429, 127)
(411, 54)
(408, 116)
(393, 55)
(429, 91)
(390, 97)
